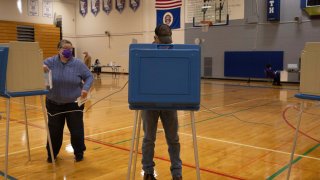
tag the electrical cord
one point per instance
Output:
(107, 96)
(84, 111)
(64, 112)
(232, 115)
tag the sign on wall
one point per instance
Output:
(33, 7)
(47, 8)
(273, 10)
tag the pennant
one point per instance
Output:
(107, 6)
(134, 4)
(83, 8)
(168, 12)
(95, 6)
(120, 5)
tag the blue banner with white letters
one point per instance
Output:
(273, 10)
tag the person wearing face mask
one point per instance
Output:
(70, 79)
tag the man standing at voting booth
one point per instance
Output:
(169, 121)
(71, 81)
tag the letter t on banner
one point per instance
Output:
(273, 11)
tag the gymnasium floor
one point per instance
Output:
(244, 131)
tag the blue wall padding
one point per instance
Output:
(251, 64)
(164, 76)
(3, 68)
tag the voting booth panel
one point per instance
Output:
(163, 76)
(310, 65)
(21, 69)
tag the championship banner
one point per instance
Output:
(95, 6)
(120, 5)
(134, 4)
(47, 8)
(273, 11)
(33, 7)
(83, 8)
(168, 12)
(107, 6)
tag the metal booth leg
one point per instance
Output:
(137, 145)
(195, 146)
(7, 140)
(132, 144)
(295, 140)
(48, 132)
(26, 127)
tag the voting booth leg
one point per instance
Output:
(48, 132)
(132, 143)
(295, 140)
(195, 146)
(26, 127)
(136, 149)
(7, 140)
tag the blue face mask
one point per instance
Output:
(67, 53)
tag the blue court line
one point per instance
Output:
(8, 176)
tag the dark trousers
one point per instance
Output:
(56, 125)
(276, 79)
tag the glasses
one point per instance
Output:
(65, 48)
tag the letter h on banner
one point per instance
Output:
(273, 11)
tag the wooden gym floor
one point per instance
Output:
(244, 131)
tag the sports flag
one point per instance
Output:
(134, 4)
(168, 12)
(107, 6)
(120, 4)
(83, 8)
(95, 6)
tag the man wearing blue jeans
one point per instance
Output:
(169, 120)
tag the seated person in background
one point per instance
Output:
(97, 67)
(275, 75)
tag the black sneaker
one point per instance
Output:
(49, 160)
(149, 177)
(176, 177)
(79, 157)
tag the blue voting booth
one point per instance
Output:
(21, 74)
(163, 76)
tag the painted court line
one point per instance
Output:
(105, 132)
(250, 146)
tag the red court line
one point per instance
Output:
(156, 157)
(285, 119)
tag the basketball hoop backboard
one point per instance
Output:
(210, 12)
